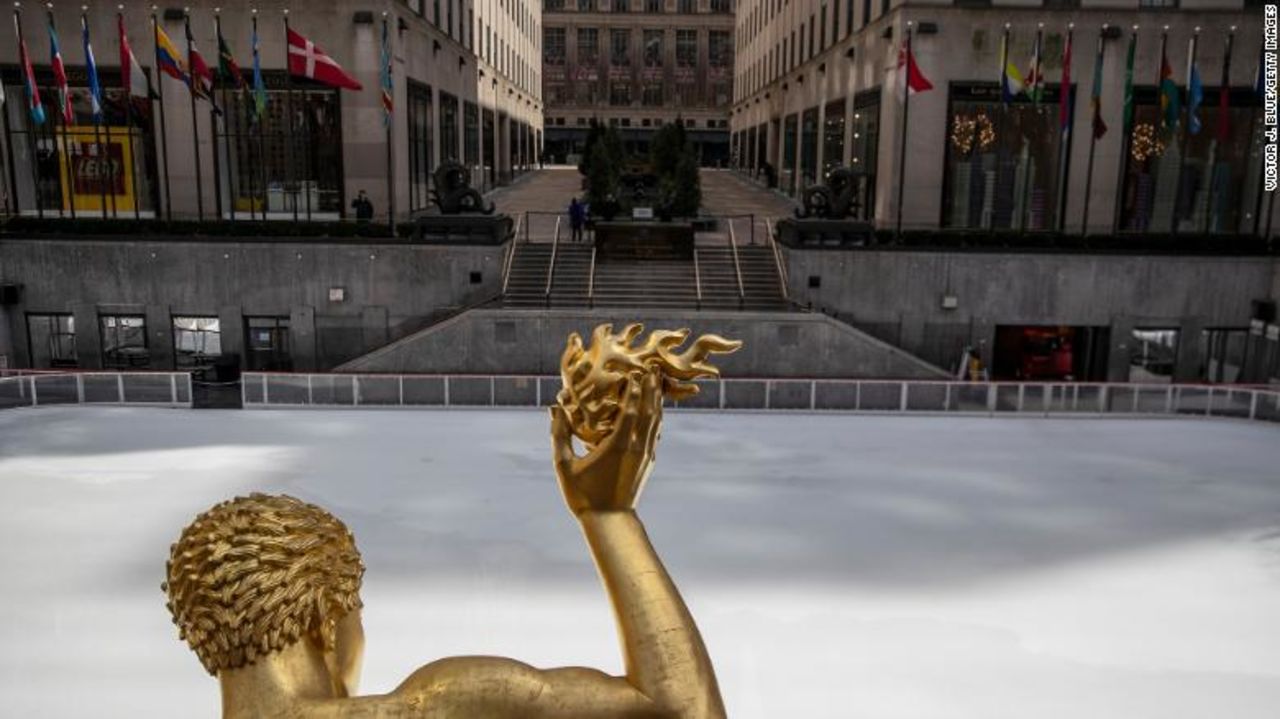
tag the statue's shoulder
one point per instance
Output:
(462, 686)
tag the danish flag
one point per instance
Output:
(307, 60)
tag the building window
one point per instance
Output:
(421, 116)
(553, 46)
(686, 48)
(719, 49)
(586, 5)
(620, 93)
(833, 124)
(124, 341)
(196, 341)
(788, 174)
(621, 6)
(652, 95)
(1213, 187)
(1158, 3)
(620, 48)
(471, 134)
(554, 5)
(653, 48)
(588, 46)
(52, 339)
(687, 7)
(653, 6)
(1002, 163)
(721, 5)
(809, 148)
(267, 347)
(448, 127)
(864, 148)
(284, 168)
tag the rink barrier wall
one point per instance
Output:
(282, 390)
(143, 389)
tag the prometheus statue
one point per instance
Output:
(265, 589)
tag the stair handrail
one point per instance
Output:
(591, 279)
(551, 266)
(777, 259)
(697, 277)
(511, 255)
(737, 267)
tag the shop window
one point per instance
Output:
(787, 173)
(267, 346)
(421, 121)
(1223, 355)
(809, 148)
(196, 341)
(52, 340)
(1153, 354)
(124, 341)
(833, 126)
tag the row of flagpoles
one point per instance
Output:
(305, 60)
(1013, 83)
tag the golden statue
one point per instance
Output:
(265, 589)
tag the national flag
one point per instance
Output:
(1224, 94)
(1095, 97)
(1011, 82)
(228, 68)
(1066, 108)
(59, 76)
(34, 106)
(910, 79)
(1035, 75)
(1195, 96)
(306, 59)
(388, 86)
(259, 87)
(201, 77)
(131, 75)
(1128, 84)
(169, 59)
(91, 69)
(1169, 101)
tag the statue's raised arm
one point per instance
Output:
(265, 589)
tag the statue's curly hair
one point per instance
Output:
(255, 574)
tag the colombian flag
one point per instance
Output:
(169, 59)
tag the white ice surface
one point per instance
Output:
(838, 566)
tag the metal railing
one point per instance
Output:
(591, 279)
(511, 255)
(804, 395)
(737, 267)
(777, 259)
(551, 266)
(697, 277)
(153, 389)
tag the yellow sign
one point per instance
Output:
(98, 167)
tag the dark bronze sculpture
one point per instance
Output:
(453, 192)
(836, 200)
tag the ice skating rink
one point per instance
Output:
(838, 566)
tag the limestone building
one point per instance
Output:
(637, 65)
(816, 87)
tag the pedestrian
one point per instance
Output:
(363, 207)
(577, 218)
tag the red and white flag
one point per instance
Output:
(306, 59)
(910, 79)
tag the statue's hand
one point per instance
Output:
(611, 475)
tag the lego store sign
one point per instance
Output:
(96, 174)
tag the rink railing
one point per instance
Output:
(145, 389)
(806, 395)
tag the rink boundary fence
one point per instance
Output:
(141, 389)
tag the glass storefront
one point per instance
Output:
(809, 148)
(787, 175)
(833, 124)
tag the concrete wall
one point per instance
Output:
(388, 288)
(898, 295)
(531, 342)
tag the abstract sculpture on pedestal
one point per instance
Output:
(265, 589)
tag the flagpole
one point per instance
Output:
(1224, 100)
(1093, 136)
(31, 136)
(65, 152)
(1126, 131)
(195, 120)
(288, 85)
(258, 129)
(1035, 96)
(1004, 109)
(11, 198)
(902, 151)
(1186, 131)
(1066, 131)
(391, 173)
(164, 135)
(103, 160)
(226, 121)
(128, 115)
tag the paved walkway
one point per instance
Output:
(724, 193)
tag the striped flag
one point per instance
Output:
(133, 78)
(228, 68)
(1011, 82)
(1095, 96)
(1035, 76)
(259, 87)
(1066, 108)
(1224, 94)
(91, 69)
(169, 59)
(1195, 91)
(34, 106)
(1169, 95)
(1128, 84)
(59, 75)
